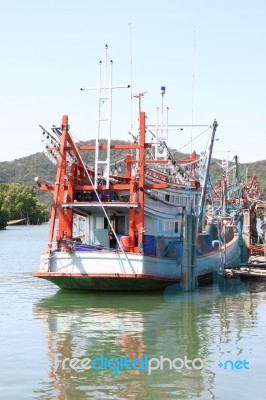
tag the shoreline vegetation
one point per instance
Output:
(19, 203)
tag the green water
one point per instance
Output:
(42, 326)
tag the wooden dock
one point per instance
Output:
(246, 271)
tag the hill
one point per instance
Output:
(24, 170)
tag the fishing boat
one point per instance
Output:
(129, 223)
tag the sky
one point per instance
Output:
(210, 56)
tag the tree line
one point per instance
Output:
(19, 201)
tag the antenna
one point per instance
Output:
(193, 87)
(131, 76)
(139, 96)
(162, 93)
(104, 120)
(163, 129)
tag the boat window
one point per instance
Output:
(101, 223)
(79, 225)
(167, 197)
(167, 226)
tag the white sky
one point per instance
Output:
(51, 48)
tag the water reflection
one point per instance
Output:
(136, 325)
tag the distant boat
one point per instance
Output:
(16, 221)
(123, 223)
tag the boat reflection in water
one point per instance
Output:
(89, 325)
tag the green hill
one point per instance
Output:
(24, 170)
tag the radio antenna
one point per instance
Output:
(131, 76)
(193, 87)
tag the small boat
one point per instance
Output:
(16, 221)
(130, 221)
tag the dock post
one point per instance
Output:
(188, 275)
(265, 245)
(246, 230)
